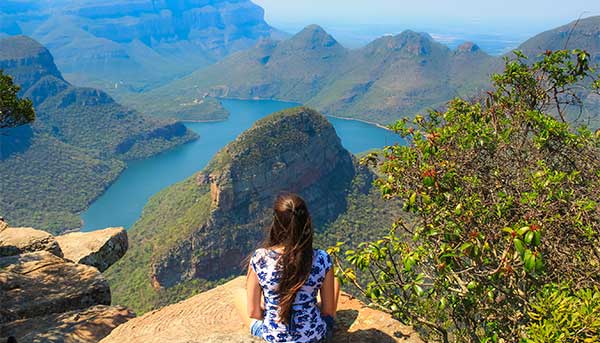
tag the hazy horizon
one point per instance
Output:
(385, 12)
(497, 27)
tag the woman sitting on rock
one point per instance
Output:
(285, 277)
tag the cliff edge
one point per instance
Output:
(211, 317)
(51, 289)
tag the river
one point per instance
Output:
(123, 201)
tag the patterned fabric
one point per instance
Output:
(306, 324)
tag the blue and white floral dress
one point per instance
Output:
(306, 324)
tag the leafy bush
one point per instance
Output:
(13, 111)
(504, 201)
(560, 315)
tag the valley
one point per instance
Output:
(175, 124)
(78, 144)
(122, 203)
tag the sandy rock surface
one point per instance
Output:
(80, 326)
(40, 283)
(212, 317)
(99, 249)
(18, 240)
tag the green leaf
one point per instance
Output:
(529, 260)
(522, 230)
(428, 181)
(529, 237)
(519, 246)
(537, 238)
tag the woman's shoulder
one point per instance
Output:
(260, 252)
(322, 257)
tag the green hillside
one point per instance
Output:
(124, 46)
(392, 76)
(77, 146)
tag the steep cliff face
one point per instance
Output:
(296, 151)
(53, 168)
(125, 45)
(196, 232)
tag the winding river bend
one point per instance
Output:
(122, 203)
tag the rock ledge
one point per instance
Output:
(212, 317)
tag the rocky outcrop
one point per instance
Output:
(295, 150)
(40, 283)
(81, 326)
(18, 240)
(99, 249)
(47, 298)
(212, 317)
(27, 61)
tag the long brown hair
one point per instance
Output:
(292, 229)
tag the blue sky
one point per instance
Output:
(392, 11)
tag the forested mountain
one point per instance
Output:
(129, 45)
(77, 146)
(585, 35)
(393, 75)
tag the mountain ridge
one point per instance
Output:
(53, 168)
(374, 83)
(389, 78)
(126, 46)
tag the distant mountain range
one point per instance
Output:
(130, 45)
(54, 168)
(392, 77)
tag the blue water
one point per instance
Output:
(122, 203)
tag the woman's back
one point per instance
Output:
(306, 324)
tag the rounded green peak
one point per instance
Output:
(270, 135)
(20, 47)
(468, 47)
(291, 113)
(280, 125)
(313, 36)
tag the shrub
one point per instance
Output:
(13, 111)
(504, 197)
(559, 314)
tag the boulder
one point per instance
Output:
(81, 326)
(40, 283)
(18, 240)
(212, 317)
(99, 249)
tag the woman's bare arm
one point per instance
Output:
(253, 295)
(329, 294)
